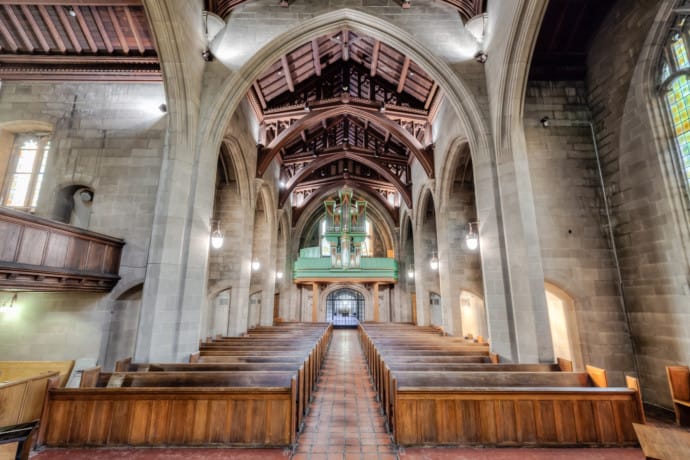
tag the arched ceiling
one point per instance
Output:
(348, 108)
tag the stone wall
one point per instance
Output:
(649, 211)
(110, 138)
(576, 255)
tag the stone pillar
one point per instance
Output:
(315, 302)
(376, 302)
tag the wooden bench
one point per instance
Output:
(679, 384)
(168, 416)
(245, 394)
(17, 370)
(21, 401)
(15, 441)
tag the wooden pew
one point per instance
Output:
(168, 416)
(15, 441)
(21, 401)
(679, 385)
(514, 415)
(18, 370)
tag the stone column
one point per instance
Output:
(315, 302)
(376, 302)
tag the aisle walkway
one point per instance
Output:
(344, 420)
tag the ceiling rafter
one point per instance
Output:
(286, 73)
(76, 40)
(85, 29)
(35, 28)
(368, 161)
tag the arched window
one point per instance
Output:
(25, 171)
(675, 83)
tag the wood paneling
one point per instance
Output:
(170, 416)
(42, 255)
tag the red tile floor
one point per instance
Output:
(344, 423)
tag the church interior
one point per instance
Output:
(344, 229)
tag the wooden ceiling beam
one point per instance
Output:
(19, 28)
(375, 58)
(430, 97)
(286, 73)
(316, 56)
(51, 28)
(259, 95)
(403, 74)
(346, 45)
(8, 37)
(68, 28)
(35, 28)
(74, 2)
(85, 29)
(118, 30)
(135, 31)
(101, 29)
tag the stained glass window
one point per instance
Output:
(26, 172)
(678, 98)
(680, 52)
(665, 71)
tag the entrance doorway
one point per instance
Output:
(345, 308)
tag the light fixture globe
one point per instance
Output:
(279, 275)
(410, 272)
(217, 239)
(256, 265)
(434, 262)
(472, 237)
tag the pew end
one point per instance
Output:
(565, 365)
(679, 385)
(634, 384)
(494, 358)
(194, 357)
(89, 377)
(16, 440)
(597, 376)
(123, 364)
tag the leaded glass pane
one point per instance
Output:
(19, 188)
(680, 53)
(26, 160)
(678, 98)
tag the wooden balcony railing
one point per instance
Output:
(39, 254)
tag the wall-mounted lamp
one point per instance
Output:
(217, 236)
(545, 122)
(9, 305)
(434, 261)
(410, 272)
(472, 237)
(256, 264)
(279, 275)
(481, 57)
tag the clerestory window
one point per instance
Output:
(675, 83)
(25, 171)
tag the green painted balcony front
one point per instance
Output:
(375, 269)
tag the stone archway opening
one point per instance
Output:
(345, 308)
(563, 324)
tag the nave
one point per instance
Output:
(344, 422)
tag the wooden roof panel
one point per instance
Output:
(77, 39)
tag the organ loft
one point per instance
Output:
(364, 229)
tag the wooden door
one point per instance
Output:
(413, 303)
(276, 306)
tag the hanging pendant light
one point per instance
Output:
(434, 261)
(256, 264)
(472, 238)
(410, 272)
(217, 236)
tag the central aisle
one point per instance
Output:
(344, 417)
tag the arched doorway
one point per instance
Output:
(345, 308)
